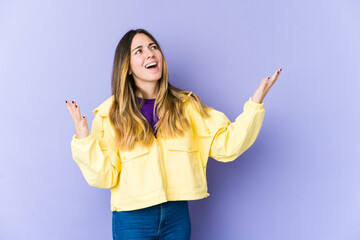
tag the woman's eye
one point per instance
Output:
(138, 51)
(154, 47)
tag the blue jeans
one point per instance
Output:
(168, 220)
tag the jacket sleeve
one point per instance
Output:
(95, 155)
(225, 140)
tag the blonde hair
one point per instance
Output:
(125, 116)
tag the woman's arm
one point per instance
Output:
(95, 155)
(224, 140)
(233, 138)
(99, 162)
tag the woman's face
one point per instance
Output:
(145, 59)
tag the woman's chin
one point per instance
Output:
(154, 77)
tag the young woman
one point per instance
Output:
(150, 142)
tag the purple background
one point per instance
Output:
(301, 178)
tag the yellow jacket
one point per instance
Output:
(170, 169)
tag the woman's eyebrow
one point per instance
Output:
(142, 46)
(137, 48)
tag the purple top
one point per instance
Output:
(147, 111)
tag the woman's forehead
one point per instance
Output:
(140, 39)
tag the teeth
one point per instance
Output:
(151, 64)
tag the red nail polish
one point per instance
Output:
(83, 116)
(76, 106)
(73, 102)
(65, 101)
(268, 77)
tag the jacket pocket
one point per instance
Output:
(138, 176)
(183, 164)
(181, 144)
(134, 153)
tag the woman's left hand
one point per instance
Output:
(264, 87)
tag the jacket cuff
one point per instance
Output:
(81, 141)
(254, 105)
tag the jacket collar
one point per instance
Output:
(103, 108)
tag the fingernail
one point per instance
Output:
(268, 77)
(76, 106)
(83, 116)
(280, 69)
(65, 101)
(73, 102)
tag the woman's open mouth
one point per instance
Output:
(152, 66)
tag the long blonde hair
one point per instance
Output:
(125, 116)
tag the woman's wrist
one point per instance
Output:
(256, 100)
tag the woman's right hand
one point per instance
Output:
(81, 126)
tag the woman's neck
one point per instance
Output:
(148, 91)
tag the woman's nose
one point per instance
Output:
(149, 54)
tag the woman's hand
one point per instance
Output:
(81, 126)
(264, 87)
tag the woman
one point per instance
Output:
(150, 142)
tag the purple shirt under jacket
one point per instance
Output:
(147, 111)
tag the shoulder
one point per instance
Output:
(188, 101)
(185, 95)
(104, 107)
(192, 104)
(192, 109)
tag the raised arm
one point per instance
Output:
(233, 138)
(224, 140)
(95, 154)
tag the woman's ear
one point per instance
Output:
(130, 72)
